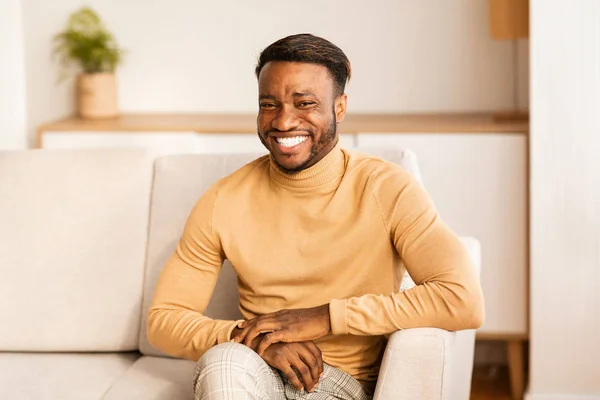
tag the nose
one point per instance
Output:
(285, 120)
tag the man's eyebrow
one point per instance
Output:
(267, 97)
(303, 94)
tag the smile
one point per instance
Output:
(291, 141)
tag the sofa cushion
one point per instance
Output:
(155, 378)
(72, 249)
(29, 376)
(179, 181)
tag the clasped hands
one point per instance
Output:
(284, 340)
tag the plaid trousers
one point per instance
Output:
(231, 371)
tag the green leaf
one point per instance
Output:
(86, 45)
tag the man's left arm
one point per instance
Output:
(447, 294)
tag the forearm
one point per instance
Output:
(186, 333)
(428, 305)
(176, 324)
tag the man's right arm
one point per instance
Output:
(175, 321)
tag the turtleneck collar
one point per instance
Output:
(329, 168)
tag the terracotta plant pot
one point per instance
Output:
(97, 96)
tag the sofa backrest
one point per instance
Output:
(179, 181)
(73, 231)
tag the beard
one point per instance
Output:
(316, 148)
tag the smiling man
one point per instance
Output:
(320, 104)
(318, 237)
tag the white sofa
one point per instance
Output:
(83, 237)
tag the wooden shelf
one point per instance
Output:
(493, 336)
(246, 123)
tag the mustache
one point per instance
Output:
(270, 131)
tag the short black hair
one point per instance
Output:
(312, 49)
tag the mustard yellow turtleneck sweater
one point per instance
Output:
(340, 232)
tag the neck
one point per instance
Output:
(327, 168)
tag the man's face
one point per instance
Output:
(298, 113)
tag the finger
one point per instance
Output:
(310, 362)
(250, 333)
(253, 338)
(245, 327)
(250, 338)
(259, 328)
(269, 339)
(255, 343)
(241, 335)
(305, 373)
(235, 332)
(316, 352)
(291, 376)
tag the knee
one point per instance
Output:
(233, 362)
(223, 359)
(226, 353)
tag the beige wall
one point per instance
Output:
(198, 56)
(565, 200)
(12, 77)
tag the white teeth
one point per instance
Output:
(291, 141)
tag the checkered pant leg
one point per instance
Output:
(334, 385)
(231, 371)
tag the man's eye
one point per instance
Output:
(267, 106)
(306, 103)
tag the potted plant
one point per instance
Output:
(88, 45)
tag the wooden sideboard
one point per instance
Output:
(475, 167)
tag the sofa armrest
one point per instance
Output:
(414, 364)
(429, 363)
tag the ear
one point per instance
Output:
(340, 108)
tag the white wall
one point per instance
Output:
(199, 56)
(565, 200)
(12, 77)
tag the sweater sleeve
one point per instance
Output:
(175, 321)
(447, 294)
